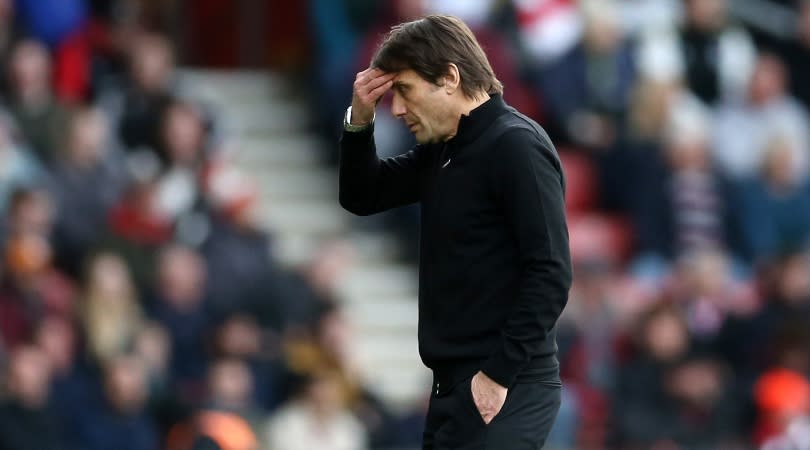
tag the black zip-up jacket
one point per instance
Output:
(494, 269)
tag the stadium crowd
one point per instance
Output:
(141, 305)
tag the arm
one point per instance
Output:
(530, 189)
(370, 185)
(367, 184)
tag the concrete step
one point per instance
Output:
(402, 390)
(245, 85)
(258, 153)
(397, 315)
(277, 117)
(367, 282)
(388, 346)
(297, 184)
(304, 217)
(374, 248)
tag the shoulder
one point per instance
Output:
(524, 138)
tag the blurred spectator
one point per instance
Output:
(17, 167)
(230, 387)
(30, 210)
(661, 340)
(137, 227)
(587, 90)
(111, 313)
(685, 203)
(227, 422)
(85, 183)
(331, 349)
(775, 206)
(147, 93)
(318, 418)
(669, 397)
(61, 25)
(703, 286)
(182, 151)
(180, 306)
(119, 420)
(41, 118)
(31, 285)
(590, 328)
(315, 284)
(710, 54)
(590, 333)
(704, 412)
(240, 252)
(763, 337)
(240, 337)
(71, 384)
(623, 171)
(25, 422)
(743, 128)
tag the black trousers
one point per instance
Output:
(524, 422)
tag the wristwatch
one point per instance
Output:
(347, 122)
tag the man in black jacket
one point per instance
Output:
(494, 261)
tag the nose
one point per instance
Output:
(398, 106)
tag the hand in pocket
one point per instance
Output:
(488, 396)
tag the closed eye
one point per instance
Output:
(401, 88)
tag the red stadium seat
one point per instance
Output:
(580, 177)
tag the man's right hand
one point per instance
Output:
(369, 87)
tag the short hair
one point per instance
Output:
(428, 45)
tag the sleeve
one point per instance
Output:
(530, 187)
(369, 185)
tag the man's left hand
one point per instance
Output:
(488, 396)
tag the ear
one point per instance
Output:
(452, 79)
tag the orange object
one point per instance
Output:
(782, 391)
(229, 431)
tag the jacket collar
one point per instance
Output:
(472, 125)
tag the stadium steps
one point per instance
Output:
(265, 125)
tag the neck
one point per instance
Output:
(465, 107)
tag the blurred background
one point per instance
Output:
(176, 273)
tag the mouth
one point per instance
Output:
(412, 126)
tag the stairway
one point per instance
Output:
(267, 123)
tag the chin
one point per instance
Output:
(422, 139)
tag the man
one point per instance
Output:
(494, 261)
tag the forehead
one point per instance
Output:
(408, 77)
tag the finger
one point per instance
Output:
(371, 80)
(376, 72)
(362, 78)
(379, 81)
(377, 93)
(365, 72)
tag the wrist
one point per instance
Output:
(351, 123)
